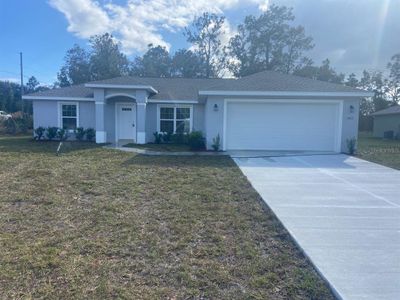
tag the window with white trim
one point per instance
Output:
(175, 119)
(69, 116)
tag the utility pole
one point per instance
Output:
(22, 80)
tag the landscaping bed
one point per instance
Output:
(100, 223)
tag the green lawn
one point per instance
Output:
(97, 223)
(385, 152)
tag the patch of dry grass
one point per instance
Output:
(97, 223)
(381, 151)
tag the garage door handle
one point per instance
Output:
(133, 124)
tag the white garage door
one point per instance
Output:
(282, 126)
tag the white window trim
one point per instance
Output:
(60, 117)
(175, 106)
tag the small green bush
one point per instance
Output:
(196, 140)
(51, 133)
(216, 143)
(351, 145)
(62, 134)
(80, 133)
(90, 134)
(167, 137)
(39, 132)
(179, 138)
(157, 137)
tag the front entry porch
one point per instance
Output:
(120, 116)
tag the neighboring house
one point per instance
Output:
(387, 120)
(263, 111)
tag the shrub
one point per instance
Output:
(62, 134)
(23, 121)
(10, 126)
(351, 145)
(51, 133)
(196, 140)
(157, 137)
(179, 138)
(39, 132)
(80, 133)
(166, 137)
(90, 134)
(216, 143)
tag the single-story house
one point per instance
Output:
(263, 111)
(387, 120)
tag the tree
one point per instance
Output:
(106, 59)
(324, 72)
(352, 80)
(205, 35)
(185, 63)
(62, 77)
(268, 42)
(296, 43)
(32, 84)
(76, 68)
(394, 78)
(156, 62)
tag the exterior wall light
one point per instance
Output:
(216, 108)
(351, 109)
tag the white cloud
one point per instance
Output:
(139, 22)
(85, 17)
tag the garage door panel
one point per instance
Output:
(281, 126)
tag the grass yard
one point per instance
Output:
(97, 223)
(384, 152)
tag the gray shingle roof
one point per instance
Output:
(388, 111)
(188, 88)
(79, 91)
(278, 82)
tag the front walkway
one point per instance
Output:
(343, 212)
(164, 153)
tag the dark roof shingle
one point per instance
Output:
(188, 88)
(388, 111)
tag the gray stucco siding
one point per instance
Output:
(349, 122)
(46, 113)
(87, 115)
(384, 123)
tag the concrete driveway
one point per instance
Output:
(343, 212)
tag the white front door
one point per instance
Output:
(126, 121)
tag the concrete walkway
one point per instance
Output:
(343, 212)
(164, 153)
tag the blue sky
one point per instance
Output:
(354, 34)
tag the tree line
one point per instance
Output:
(269, 41)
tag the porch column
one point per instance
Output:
(141, 103)
(100, 102)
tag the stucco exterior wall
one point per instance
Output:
(349, 122)
(46, 113)
(386, 123)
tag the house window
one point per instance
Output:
(69, 116)
(175, 119)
